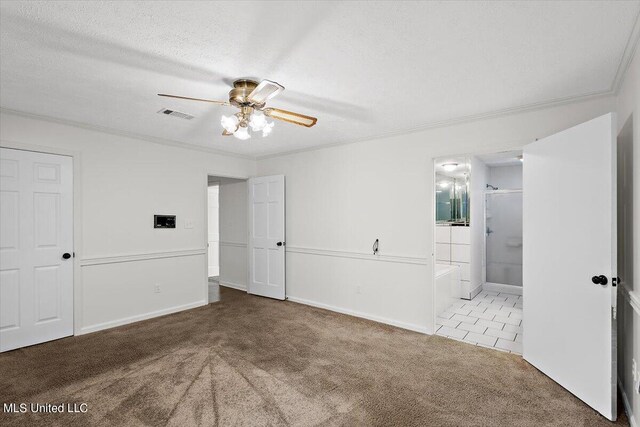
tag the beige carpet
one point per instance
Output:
(253, 361)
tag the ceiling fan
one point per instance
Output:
(251, 97)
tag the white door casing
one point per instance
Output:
(36, 229)
(213, 239)
(267, 236)
(569, 236)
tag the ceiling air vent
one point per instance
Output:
(175, 113)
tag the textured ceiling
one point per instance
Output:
(365, 69)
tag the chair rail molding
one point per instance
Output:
(114, 259)
(400, 259)
(232, 244)
(632, 297)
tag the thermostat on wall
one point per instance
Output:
(164, 221)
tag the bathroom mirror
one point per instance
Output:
(452, 191)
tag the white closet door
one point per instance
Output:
(36, 247)
(266, 236)
(569, 260)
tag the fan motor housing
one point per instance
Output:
(240, 92)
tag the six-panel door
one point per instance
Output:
(36, 230)
(266, 236)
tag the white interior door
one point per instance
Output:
(213, 240)
(36, 231)
(266, 236)
(569, 238)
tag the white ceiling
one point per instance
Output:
(503, 158)
(365, 69)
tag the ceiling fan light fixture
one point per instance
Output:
(230, 123)
(242, 133)
(249, 97)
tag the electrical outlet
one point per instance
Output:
(188, 223)
(358, 290)
(157, 288)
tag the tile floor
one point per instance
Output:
(491, 319)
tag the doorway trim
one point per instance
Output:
(432, 213)
(206, 222)
(76, 158)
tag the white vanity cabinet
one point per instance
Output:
(453, 247)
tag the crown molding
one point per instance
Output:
(125, 134)
(630, 50)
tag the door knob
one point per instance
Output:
(279, 243)
(600, 280)
(66, 255)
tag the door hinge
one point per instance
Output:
(614, 312)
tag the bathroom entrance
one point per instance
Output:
(566, 263)
(478, 249)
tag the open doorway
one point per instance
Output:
(226, 234)
(478, 249)
(567, 246)
(213, 238)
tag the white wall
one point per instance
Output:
(628, 108)
(506, 177)
(233, 234)
(340, 199)
(120, 183)
(479, 179)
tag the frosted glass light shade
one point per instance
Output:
(229, 123)
(242, 133)
(268, 127)
(258, 121)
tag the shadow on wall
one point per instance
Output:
(625, 203)
(627, 335)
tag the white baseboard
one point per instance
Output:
(386, 321)
(627, 406)
(139, 317)
(232, 285)
(471, 292)
(475, 291)
(498, 287)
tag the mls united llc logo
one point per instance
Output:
(33, 408)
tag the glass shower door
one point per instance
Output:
(503, 213)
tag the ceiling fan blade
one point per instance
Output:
(194, 99)
(291, 117)
(265, 91)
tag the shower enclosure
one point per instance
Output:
(503, 241)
